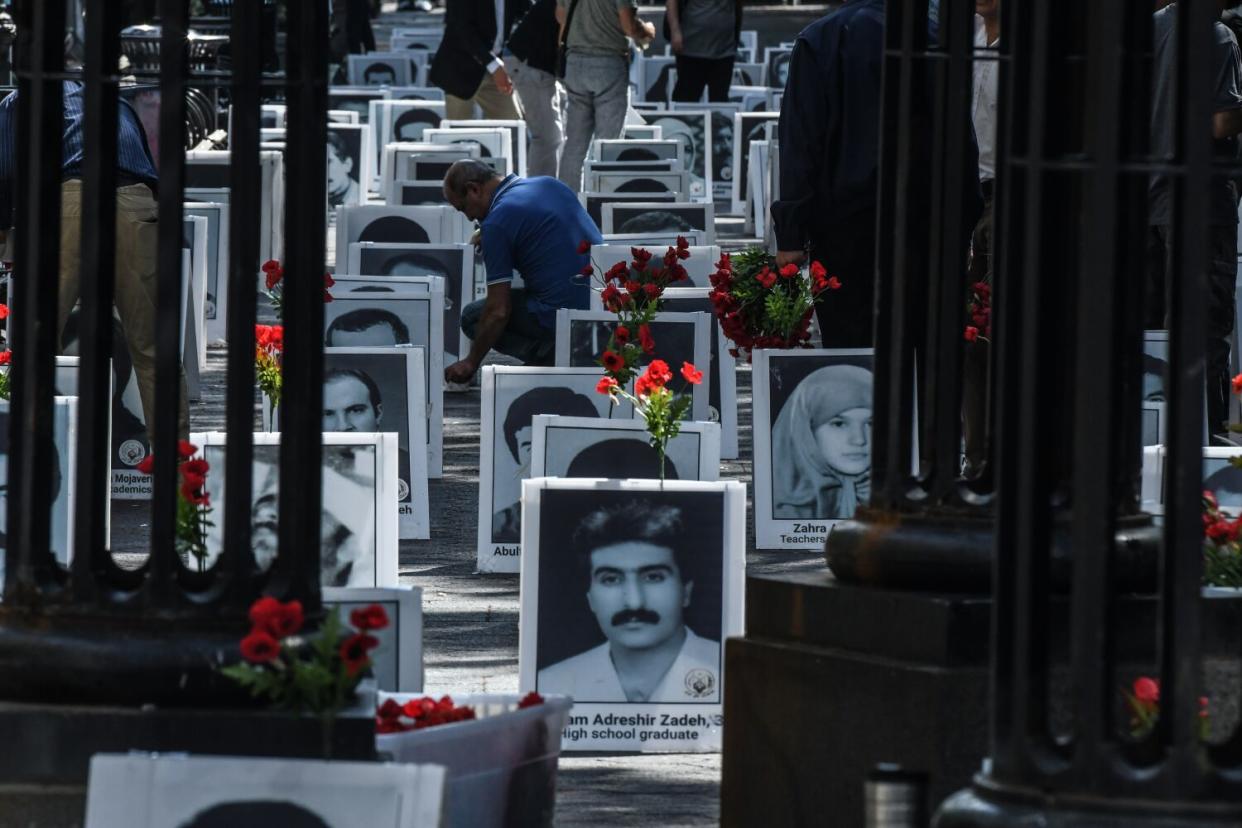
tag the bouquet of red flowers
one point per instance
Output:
(979, 309)
(269, 345)
(762, 306)
(316, 676)
(193, 503)
(1143, 702)
(660, 408)
(274, 274)
(424, 712)
(633, 291)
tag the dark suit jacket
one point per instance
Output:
(469, 32)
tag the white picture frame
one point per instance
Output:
(359, 503)
(355, 99)
(696, 238)
(786, 386)
(397, 663)
(148, 790)
(776, 66)
(398, 121)
(594, 202)
(562, 603)
(634, 150)
(632, 182)
(718, 142)
(518, 136)
(381, 69)
(64, 478)
(639, 217)
(216, 307)
(211, 168)
(419, 161)
(511, 396)
(691, 128)
(747, 127)
(582, 335)
(493, 142)
(346, 145)
(383, 223)
(455, 263)
(749, 74)
(642, 132)
(699, 267)
(588, 447)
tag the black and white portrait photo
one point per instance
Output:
(344, 164)
(591, 447)
(1223, 479)
(813, 462)
(691, 130)
(150, 790)
(722, 390)
(380, 69)
(665, 149)
(397, 662)
(594, 202)
(63, 469)
(356, 99)
(492, 142)
(357, 522)
(216, 307)
(659, 218)
(747, 127)
(417, 192)
(629, 182)
(628, 591)
(748, 74)
(385, 223)
(656, 84)
(582, 337)
(776, 62)
(1153, 423)
(512, 396)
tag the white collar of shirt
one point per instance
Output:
(500, 27)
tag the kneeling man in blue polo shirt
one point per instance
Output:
(531, 226)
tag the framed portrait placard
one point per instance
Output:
(149, 790)
(589, 447)
(581, 336)
(358, 521)
(699, 267)
(628, 591)
(397, 662)
(692, 129)
(812, 432)
(384, 223)
(511, 397)
(697, 238)
(659, 217)
(217, 299)
(747, 127)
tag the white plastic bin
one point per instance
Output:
(501, 766)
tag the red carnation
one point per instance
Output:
(270, 265)
(789, 271)
(613, 362)
(651, 290)
(259, 647)
(1147, 690)
(658, 372)
(1237, 381)
(617, 271)
(633, 286)
(766, 277)
(198, 466)
(588, 270)
(388, 710)
(273, 278)
(371, 617)
(186, 449)
(833, 283)
(584, 247)
(818, 271)
(355, 651)
(646, 339)
(622, 335)
(530, 700)
(972, 333)
(273, 617)
(692, 375)
(682, 243)
(147, 466)
(605, 385)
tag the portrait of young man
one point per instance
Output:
(355, 400)
(634, 561)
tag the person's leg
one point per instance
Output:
(719, 79)
(458, 109)
(70, 253)
(691, 78)
(137, 231)
(1154, 283)
(847, 315)
(496, 105)
(579, 122)
(524, 338)
(1222, 277)
(540, 97)
(612, 97)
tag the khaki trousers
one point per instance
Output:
(137, 229)
(496, 105)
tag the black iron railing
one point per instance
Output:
(95, 630)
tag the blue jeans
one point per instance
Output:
(524, 338)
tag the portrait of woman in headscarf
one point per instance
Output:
(821, 446)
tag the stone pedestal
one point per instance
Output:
(46, 749)
(831, 680)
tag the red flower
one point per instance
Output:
(605, 385)
(789, 271)
(766, 277)
(834, 283)
(273, 278)
(327, 297)
(530, 700)
(1237, 384)
(4, 311)
(328, 281)
(972, 333)
(6, 357)
(1147, 690)
(646, 339)
(186, 449)
(270, 265)
(613, 362)
(682, 243)
(818, 271)
(658, 372)
(633, 287)
(692, 375)
(621, 334)
(147, 466)
(370, 617)
(588, 270)
(418, 708)
(388, 710)
(391, 725)
(271, 616)
(259, 647)
(618, 271)
(609, 295)
(651, 290)
(584, 247)
(197, 467)
(355, 651)
(641, 256)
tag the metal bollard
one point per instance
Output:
(895, 798)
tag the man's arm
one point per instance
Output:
(496, 309)
(634, 26)
(672, 13)
(1227, 124)
(463, 28)
(802, 140)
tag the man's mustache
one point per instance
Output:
(642, 616)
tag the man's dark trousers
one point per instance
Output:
(847, 250)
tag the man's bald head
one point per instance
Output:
(469, 186)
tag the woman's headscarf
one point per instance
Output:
(804, 485)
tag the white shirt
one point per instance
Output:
(983, 110)
(592, 677)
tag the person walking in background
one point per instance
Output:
(468, 66)
(597, 73)
(703, 35)
(533, 70)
